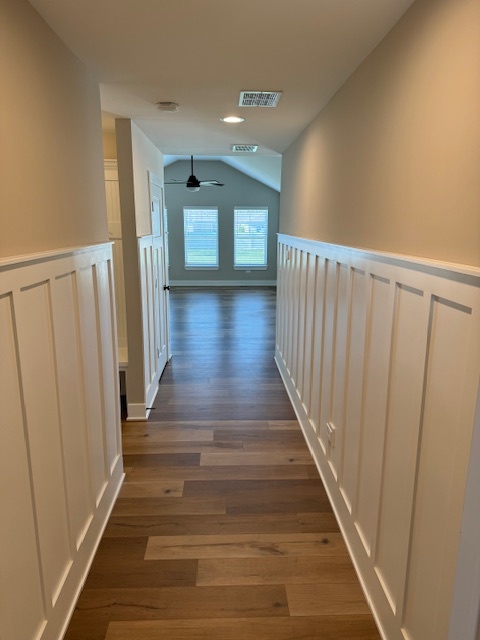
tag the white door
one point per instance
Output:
(161, 299)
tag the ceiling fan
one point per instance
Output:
(193, 183)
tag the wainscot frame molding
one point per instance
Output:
(60, 441)
(380, 355)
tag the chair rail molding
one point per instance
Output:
(60, 443)
(380, 354)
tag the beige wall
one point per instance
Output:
(51, 169)
(393, 162)
(109, 145)
(146, 157)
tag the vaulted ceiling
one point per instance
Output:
(201, 54)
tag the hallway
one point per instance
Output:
(222, 530)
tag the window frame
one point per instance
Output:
(250, 267)
(194, 266)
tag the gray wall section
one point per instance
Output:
(239, 190)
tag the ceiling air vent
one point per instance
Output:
(168, 106)
(259, 98)
(244, 148)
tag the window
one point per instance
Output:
(250, 238)
(200, 230)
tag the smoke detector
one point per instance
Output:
(244, 148)
(170, 107)
(259, 98)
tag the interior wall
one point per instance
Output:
(136, 156)
(239, 190)
(146, 157)
(51, 166)
(60, 428)
(392, 162)
(109, 145)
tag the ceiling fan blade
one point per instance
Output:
(211, 183)
(193, 183)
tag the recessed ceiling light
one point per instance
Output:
(168, 106)
(233, 119)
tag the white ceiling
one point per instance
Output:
(201, 54)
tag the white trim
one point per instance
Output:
(466, 595)
(137, 412)
(366, 576)
(251, 268)
(186, 238)
(154, 179)
(441, 269)
(387, 348)
(61, 359)
(43, 256)
(87, 551)
(193, 267)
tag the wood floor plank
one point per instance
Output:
(138, 574)
(220, 524)
(87, 627)
(168, 506)
(118, 549)
(133, 428)
(236, 409)
(326, 599)
(284, 425)
(184, 602)
(352, 627)
(162, 459)
(228, 398)
(284, 570)
(254, 459)
(172, 435)
(269, 436)
(223, 473)
(167, 488)
(141, 447)
(255, 545)
(258, 496)
(267, 447)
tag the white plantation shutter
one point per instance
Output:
(250, 237)
(200, 227)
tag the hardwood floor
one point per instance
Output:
(223, 530)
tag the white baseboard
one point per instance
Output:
(137, 412)
(86, 554)
(59, 375)
(366, 343)
(367, 579)
(223, 283)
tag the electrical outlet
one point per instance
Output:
(331, 434)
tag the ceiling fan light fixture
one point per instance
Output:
(232, 119)
(193, 183)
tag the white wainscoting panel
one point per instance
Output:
(60, 438)
(380, 355)
(154, 337)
